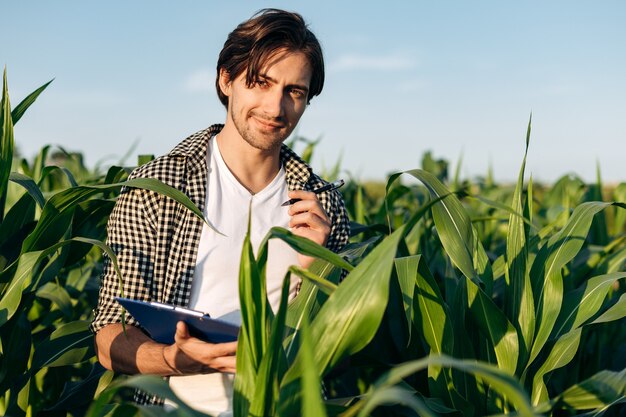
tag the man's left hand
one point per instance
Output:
(308, 219)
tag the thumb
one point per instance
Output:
(181, 331)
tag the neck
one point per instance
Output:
(254, 168)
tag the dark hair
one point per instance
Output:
(254, 41)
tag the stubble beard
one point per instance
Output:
(258, 140)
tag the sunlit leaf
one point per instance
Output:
(69, 344)
(519, 304)
(360, 302)
(6, 143)
(546, 276)
(21, 108)
(30, 186)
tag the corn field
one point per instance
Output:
(462, 298)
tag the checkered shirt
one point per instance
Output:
(156, 239)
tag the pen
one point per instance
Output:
(328, 187)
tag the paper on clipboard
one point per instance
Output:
(159, 320)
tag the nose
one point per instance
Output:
(273, 103)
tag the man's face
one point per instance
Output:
(266, 113)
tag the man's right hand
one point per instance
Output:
(190, 355)
(135, 353)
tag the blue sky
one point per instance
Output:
(456, 78)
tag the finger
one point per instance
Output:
(302, 195)
(307, 205)
(318, 236)
(182, 333)
(224, 364)
(225, 349)
(311, 220)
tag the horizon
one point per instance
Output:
(453, 79)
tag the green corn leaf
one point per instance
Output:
(619, 217)
(482, 265)
(148, 383)
(15, 337)
(433, 312)
(615, 312)
(529, 201)
(431, 317)
(504, 383)
(391, 196)
(47, 170)
(584, 302)
(253, 336)
(161, 188)
(456, 179)
(599, 392)
(106, 249)
(6, 143)
(70, 344)
(566, 345)
(21, 108)
(452, 221)
(494, 324)
(456, 233)
(115, 174)
(21, 279)
(406, 270)
(360, 303)
(466, 385)
(304, 246)
(561, 354)
(30, 185)
(459, 241)
(58, 295)
(600, 260)
(599, 233)
(546, 276)
(18, 405)
(309, 299)
(144, 159)
(265, 394)
(39, 165)
(80, 393)
(616, 260)
(519, 304)
(312, 405)
(326, 286)
(393, 396)
(56, 215)
(19, 220)
(418, 214)
(359, 207)
(503, 207)
(26, 273)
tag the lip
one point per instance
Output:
(264, 124)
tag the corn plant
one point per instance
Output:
(471, 299)
(51, 238)
(484, 338)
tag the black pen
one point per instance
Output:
(328, 187)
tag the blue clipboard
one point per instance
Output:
(159, 320)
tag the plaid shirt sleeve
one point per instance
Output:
(131, 232)
(340, 225)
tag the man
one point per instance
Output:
(267, 72)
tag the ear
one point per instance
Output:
(225, 82)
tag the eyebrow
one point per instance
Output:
(299, 86)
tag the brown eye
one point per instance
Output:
(262, 83)
(297, 93)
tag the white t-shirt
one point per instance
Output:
(215, 286)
